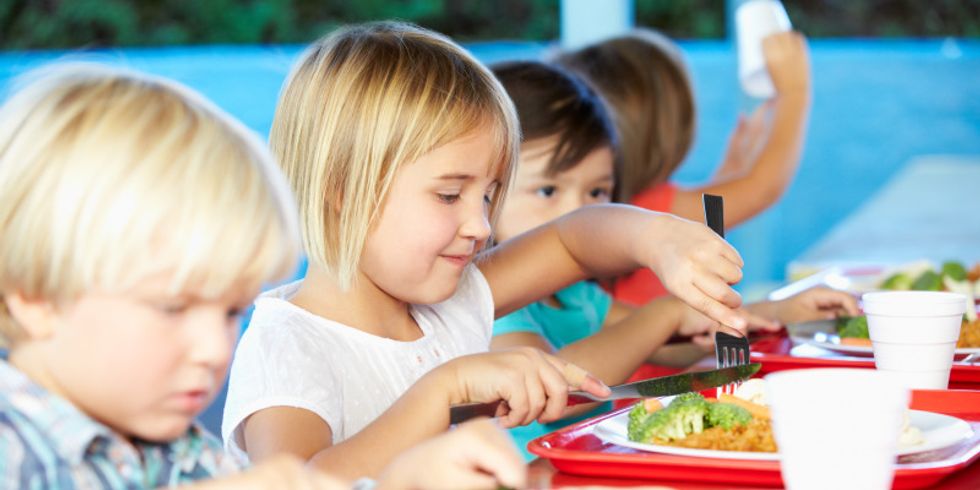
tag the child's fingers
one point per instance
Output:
(718, 290)
(703, 341)
(579, 378)
(516, 407)
(494, 453)
(537, 400)
(556, 386)
(712, 308)
(756, 322)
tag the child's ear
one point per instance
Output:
(36, 317)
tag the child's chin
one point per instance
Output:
(163, 430)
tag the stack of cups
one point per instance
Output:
(754, 20)
(836, 428)
(914, 333)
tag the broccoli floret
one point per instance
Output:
(726, 415)
(684, 416)
(638, 416)
(664, 424)
(692, 396)
(954, 271)
(897, 282)
(928, 281)
(853, 327)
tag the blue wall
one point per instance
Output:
(876, 105)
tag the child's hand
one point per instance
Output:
(535, 385)
(475, 455)
(284, 472)
(745, 142)
(788, 62)
(702, 330)
(698, 267)
(819, 303)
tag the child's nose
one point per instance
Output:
(213, 341)
(476, 226)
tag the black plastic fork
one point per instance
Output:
(730, 350)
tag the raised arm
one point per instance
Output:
(753, 190)
(694, 263)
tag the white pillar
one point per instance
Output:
(587, 21)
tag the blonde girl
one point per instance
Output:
(399, 147)
(646, 83)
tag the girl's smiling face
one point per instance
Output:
(537, 197)
(434, 220)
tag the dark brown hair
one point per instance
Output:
(552, 102)
(645, 81)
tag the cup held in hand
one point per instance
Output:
(754, 20)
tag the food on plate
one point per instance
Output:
(852, 327)
(692, 421)
(739, 422)
(927, 279)
(753, 390)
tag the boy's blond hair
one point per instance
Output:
(643, 77)
(108, 177)
(364, 101)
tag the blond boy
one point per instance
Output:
(137, 222)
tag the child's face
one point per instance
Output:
(537, 198)
(434, 220)
(144, 363)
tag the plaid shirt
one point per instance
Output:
(47, 443)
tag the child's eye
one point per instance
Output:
(235, 313)
(171, 309)
(448, 198)
(547, 191)
(599, 192)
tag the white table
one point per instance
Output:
(929, 210)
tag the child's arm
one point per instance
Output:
(760, 186)
(621, 346)
(817, 303)
(694, 263)
(534, 385)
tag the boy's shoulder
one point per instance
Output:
(46, 442)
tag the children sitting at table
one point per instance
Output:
(400, 146)
(568, 161)
(137, 223)
(643, 78)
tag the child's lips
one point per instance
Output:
(459, 260)
(192, 400)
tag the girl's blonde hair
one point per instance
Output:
(361, 103)
(644, 79)
(109, 177)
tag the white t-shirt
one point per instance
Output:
(293, 358)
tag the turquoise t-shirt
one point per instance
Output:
(584, 307)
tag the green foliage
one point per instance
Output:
(32, 24)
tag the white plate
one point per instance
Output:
(938, 431)
(823, 334)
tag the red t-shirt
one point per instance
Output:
(642, 285)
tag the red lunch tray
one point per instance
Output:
(777, 353)
(575, 450)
